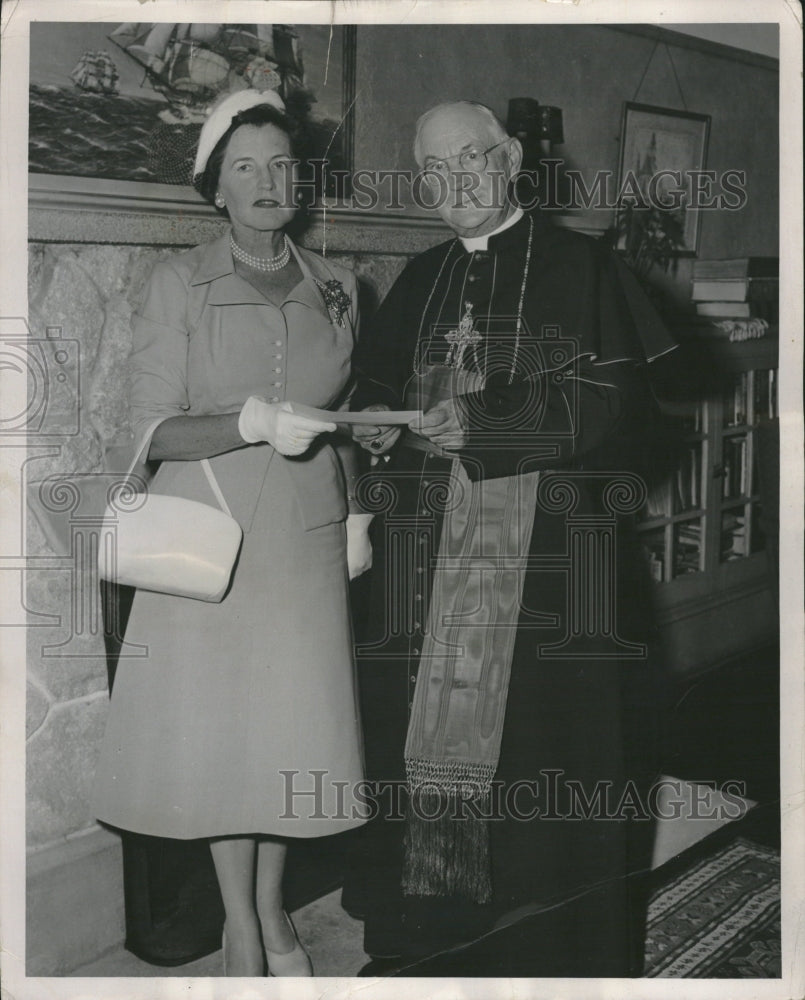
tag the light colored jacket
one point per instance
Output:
(204, 340)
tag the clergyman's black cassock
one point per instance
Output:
(575, 713)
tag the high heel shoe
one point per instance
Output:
(291, 963)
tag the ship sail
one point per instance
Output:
(193, 63)
(96, 73)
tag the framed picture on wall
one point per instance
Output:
(125, 102)
(661, 152)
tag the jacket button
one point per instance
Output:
(278, 343)
(278, 371)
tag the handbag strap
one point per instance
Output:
(216, 489)
(205, 465)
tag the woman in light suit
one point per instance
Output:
(240, 724)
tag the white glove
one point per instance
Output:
(359, 548)
(290, 433)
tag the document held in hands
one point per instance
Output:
(375, 418)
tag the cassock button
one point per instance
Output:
(278, 371)
(274, 399)
(412, 678)
(415, 651)
(418, 597)
(278, 343)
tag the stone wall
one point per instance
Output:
(87, 292)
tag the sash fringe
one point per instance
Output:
(446, 838)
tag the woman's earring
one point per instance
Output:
(219, 201)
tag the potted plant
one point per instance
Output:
(647, 236)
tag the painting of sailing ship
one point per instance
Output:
(126, 101)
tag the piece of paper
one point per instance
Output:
(374, 418)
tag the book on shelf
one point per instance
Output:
(735, 289)
(738, 310)
(765, 394)
(688, 481)
(736, 405)
(736, 267)
(736, 468)
(733, 536)
(657, 502)
(689, 537)
(750, 297)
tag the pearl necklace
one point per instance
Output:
(519, 324)
(262, 263)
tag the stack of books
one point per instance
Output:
(742, 293)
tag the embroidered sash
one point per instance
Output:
(456, 723)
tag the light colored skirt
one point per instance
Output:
(243, 717)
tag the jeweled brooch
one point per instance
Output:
(336, 300)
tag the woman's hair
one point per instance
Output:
(206, 183)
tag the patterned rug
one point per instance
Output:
(720, 919)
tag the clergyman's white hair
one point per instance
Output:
(496, 127)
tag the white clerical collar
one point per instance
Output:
(473, 243)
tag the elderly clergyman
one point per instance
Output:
(505, 661)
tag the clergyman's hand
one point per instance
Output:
(444, 425)
(377, 440)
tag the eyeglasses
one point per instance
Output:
(471, 160)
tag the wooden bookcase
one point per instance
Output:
(704, 528)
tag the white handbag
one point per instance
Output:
(168, 544)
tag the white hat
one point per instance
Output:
(220, 118)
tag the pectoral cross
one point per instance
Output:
(463, 337)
